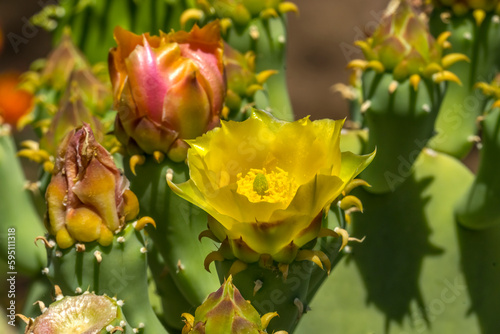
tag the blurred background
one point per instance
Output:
(320, 44)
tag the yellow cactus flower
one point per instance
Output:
(266, 182)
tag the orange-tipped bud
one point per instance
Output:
(167, 88)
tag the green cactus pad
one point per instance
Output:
(407, 275)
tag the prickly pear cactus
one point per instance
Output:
(178, 168)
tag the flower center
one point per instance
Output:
(260, 186)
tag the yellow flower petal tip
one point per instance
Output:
(453, 58)
(237, 267)
(136, 160)
(214, 256)
(106, 237)
(64, 239)
(349, 202)
(131, 205)
(225, 24)
(208, 234)
(268, 13)
(264, 75)
(415, 81)
(191, 14)
(318, 257)
(45, 241)
(357, 64)
(266, 318)
(141, 223)
(159, 156)
(446, 76)
(287, 6)
(479, 16)
(354, 184)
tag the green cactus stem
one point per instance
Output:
(400, 124)
(92, 22)
(402, 89)
(479, 207)
(178, 225)
(172, 301)
(17, 212)
(260, 27)
(456, 125)
(118, 270)
(406, 276)
(267, 39)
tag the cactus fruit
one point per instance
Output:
(86, 313)
(479, 209)
(403, 63)
(226, 311)
(474, 28)
(166, 88)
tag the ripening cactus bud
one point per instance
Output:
(226, 311)
(72, 113)
(61, 62)
(167, 88)
(88, 198)
(86, 313)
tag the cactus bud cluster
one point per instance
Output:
(403, 45)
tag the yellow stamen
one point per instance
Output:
(260, 186)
